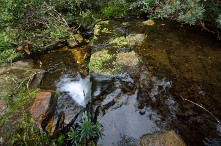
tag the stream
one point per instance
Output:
(160, 77)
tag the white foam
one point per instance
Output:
(77, 87)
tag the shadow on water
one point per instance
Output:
(176, 86)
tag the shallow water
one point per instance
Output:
(176, 85)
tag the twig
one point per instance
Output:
(202, 108)
(204, 28)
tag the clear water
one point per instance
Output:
(176, 86)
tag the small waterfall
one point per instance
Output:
(78, 88)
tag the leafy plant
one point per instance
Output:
(189, 11)
(30, 135)
(85, 131)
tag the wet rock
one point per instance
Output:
(43, 108)
(69, 106)
(148, 22)
(106, 63)
(36, 79)
(67, 110)
(74, 42)
(128, 58)
(3, 107)
(128, 40)
(169, 138)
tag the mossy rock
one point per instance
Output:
(127, 41)
(148, 22)
(109, 64)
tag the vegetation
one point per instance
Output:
(43, 24)
(85, 131)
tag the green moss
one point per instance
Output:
(105, 30)
(104, 22)
(102, 62)
(129, 40)
(107, 64)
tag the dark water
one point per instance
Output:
(176, 85)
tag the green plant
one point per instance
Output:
(115, 8)
(189, 11)
(85, 131)
(59, 140)
(29, 135)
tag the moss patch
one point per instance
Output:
(108, 64)
(101, 59)
(129, 40)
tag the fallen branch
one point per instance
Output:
(204, 28)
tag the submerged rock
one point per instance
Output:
(128, 58)
(169, 138)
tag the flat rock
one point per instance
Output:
(169, 138)
(43, 107)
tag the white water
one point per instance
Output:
(78, 88)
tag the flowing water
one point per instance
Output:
(176, 84)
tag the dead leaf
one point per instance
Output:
(27, 51)
(20, 48)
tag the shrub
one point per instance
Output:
(188, 11)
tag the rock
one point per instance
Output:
(169, 138)
(3, 107)
(129, 40)
(36, 79)
(12, 75)
(74, 42)
(24, 63)
(148, 22)
(43, 107)
(107, 64)
(67, 110)
(128, 58)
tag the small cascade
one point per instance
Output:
(77, 88)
